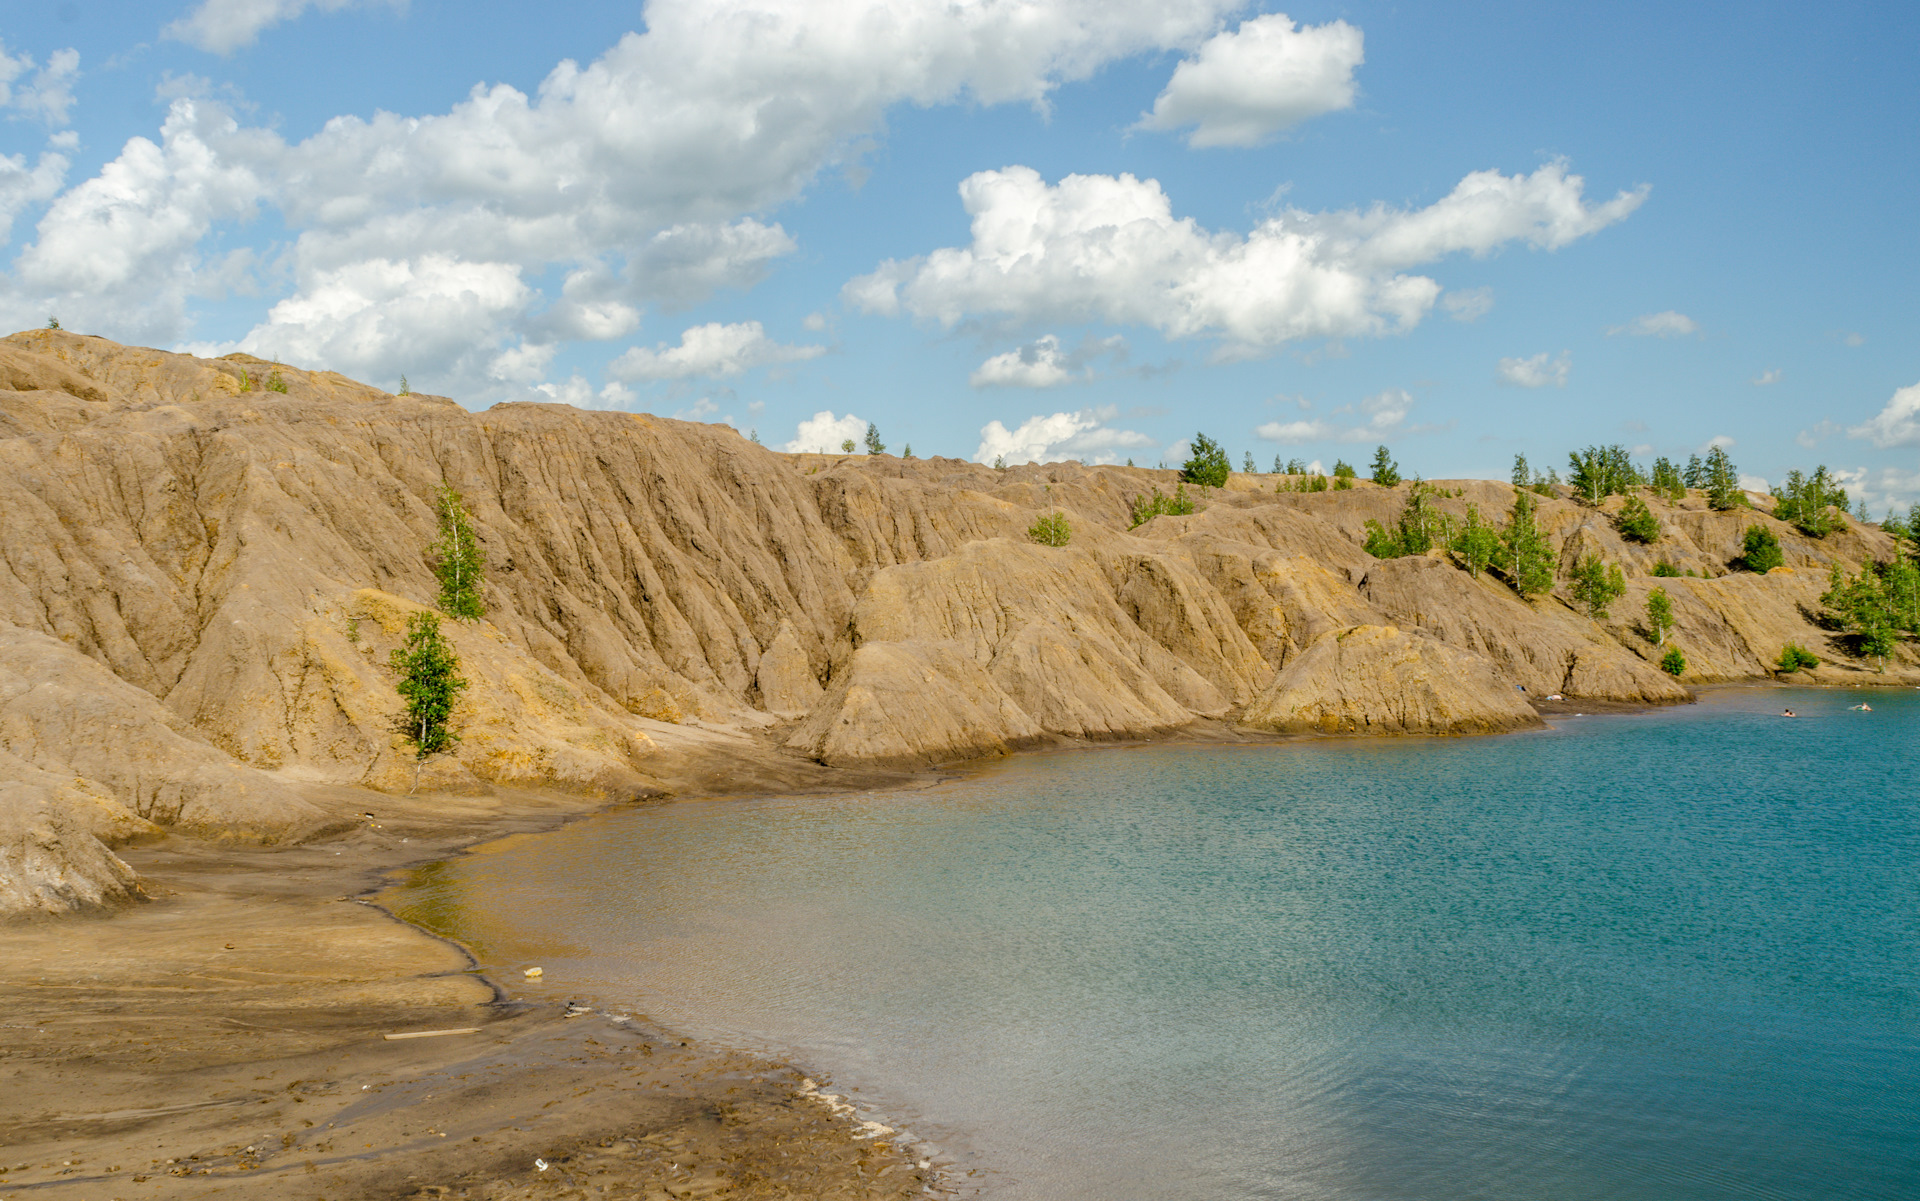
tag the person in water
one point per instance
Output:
(1786, 713)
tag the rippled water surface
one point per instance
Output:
(1665, 957)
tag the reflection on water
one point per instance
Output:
(1661, 957)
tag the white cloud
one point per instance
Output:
(1898, 424)
(1770, 376)
(1382, 416)
(815, 322)
(1668, 324)
(21, 186)
(49, 94)
(1536, 372)
(712, 349)
(1754, 483)
(576, 391)
(1243, 87)
(1723, 441)
(1855, 339)
(823, 433)
(120, 253)
(645, 167)
(223, 26)
(689, 262)
(1044, 363)
(1886, 488)
(1810, 438)
(1084, 435)
(1468, 304)
(1107, 248)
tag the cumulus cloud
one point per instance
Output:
(713, 350)
(1770, 376)
(121, 251)
(1536, 372)
(223, 26)
(1379, 418)
(1243, 87)
(1897, 424)
(1085, 435)
(1108, 248)
(22, 186)
(1468, 304)
(1668, 324)
(645, 167)
(823, 433)
(48, 94)
(1044, 363)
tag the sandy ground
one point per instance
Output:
(227, 1039)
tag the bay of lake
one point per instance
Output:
(1666, 956)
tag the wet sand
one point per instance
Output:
(227, 1039)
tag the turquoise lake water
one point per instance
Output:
(1664, 956)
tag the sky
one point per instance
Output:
(1043, 229)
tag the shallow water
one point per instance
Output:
(1666, 956)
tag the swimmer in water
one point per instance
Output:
(1786, 713)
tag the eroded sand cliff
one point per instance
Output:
(200, 583)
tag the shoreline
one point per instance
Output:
(263, 980)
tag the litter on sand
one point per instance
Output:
(430, 1033)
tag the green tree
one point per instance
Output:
(1722, 481)
(874, 445)
(1596, 585)
(999, 462)
(1695, 475)
(1860, 606)
(1666, 480)
(1382, 543)
(1665, 569)
(430, 683)
(1422, 526)
(1760, 550)
(1146, 508)
(1597, 472)
(404, 389)
(1476, 545)
(1386, 472)
(907, 452)
(1526, 555)
(1207, 465)
(1247, 465)
(1673, 662)
(1636, 522)
(1050, 529)
(848, 446)
(1794, 657)
(1343, 470)
(459, 561)
(1816, 504)
(1522, 473)
(276, 382)
(1659, 615)
(53, 323)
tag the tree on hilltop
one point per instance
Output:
(1207, 465)
(1386, 472)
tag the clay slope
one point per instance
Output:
(200, 580)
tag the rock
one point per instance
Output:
(55, 834)
(913, 705)
(1382, 680)
(788, 687)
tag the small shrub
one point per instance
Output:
(1146, 508)
(275, 383)
(848, 446)
(999, 461)
(1383, 543)
(1760, 550)
(1051, 529)
(1673, 662)
(1636, 522)
(1666, 570)
(1343, 483)
(53, 323)
(1477, 544)
(1794, 657)
(404, 389)
(1343, 470)
(246, 380)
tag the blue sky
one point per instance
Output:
(1464, 231)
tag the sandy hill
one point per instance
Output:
(200, 580)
